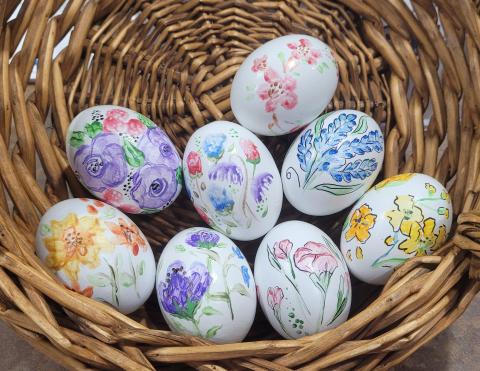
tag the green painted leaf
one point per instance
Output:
(231, 224)
(273, 260)
(211, 254)
(179, 175)
(388, 263)
(319, 123)
(337, 189)
(141, 268)
(93, 128)
(218, 296)
(210, 311)
(133, 155)
(241, 289)
(180, 248)
(265, 212)
(212, 331)
(228, 231)
(281, 56)
(45, 229)
(99, 280)
(146, 121)
(361, 126)
(118, 262)
(77, 139)
(126, 279)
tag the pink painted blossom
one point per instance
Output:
(259, 64)
(282, 249)
(116, 121)
(278, 90)
(314, 258)
(303, 51)
(274, 297)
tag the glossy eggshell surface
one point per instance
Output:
(284, 84)
(205, 286)
(403, 216)
(333, 162)
(124, 159)
(303, 284)
(97, 251)
(232, 180)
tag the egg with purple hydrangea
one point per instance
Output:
(232, 180)
(124, 159)
(205, 286)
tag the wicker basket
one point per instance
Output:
(415, 70)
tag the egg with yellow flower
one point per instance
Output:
(97, 251)
(404, 216)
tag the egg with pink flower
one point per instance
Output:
(284, 85)
(124, 159)
(232, 180)
(303, 284)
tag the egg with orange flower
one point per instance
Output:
(97, 251)
(404, 216)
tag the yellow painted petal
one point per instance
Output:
(362, 234)
(404, 202)
(417, 214)
(447, 213)
(409, 246)
(359, 253)
(395, 218)
(369, 220)
(442, 235)
(350, 234)
(389, 241)
(365, 210)
(428, 228)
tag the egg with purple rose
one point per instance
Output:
(124, 159)
(205, 286)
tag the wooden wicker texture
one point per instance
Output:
(417, 72)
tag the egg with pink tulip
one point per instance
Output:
(303, 284)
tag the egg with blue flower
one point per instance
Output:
(124, 159)
(232, 180)
(205, 286)
(333, 162)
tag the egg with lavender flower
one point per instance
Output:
(333, 162)
(403, 216)
(284, 84)
(97, 251)
(124, 159)
(232, 180)
(303, 284)
(205, 286)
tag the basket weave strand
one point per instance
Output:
(415, 70)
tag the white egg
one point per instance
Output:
(205, 287)
(284, 84)
(303, 284)
(403, 216)
(124, 159)
(232, 180)
(333, 162)
(97, 251)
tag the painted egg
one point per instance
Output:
(333, 162)
(205, 287)
(232, 180)
(97, 251)
(303, 284)
(284, 84)
(401, 217)
(124, 159)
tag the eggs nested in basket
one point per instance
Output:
(97, 251)
(232, 180)
(205, 286)
(124, 159)
(284, 84)
(403, 216)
